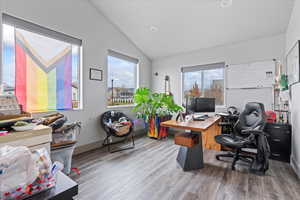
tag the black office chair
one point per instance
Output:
(246, 134)
(228, 119)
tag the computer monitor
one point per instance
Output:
(201, 105)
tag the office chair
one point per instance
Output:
(228, 119)
(249, 126)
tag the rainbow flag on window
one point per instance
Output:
(43, 67)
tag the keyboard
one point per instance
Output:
(200, 117)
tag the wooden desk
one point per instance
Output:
(192, 158)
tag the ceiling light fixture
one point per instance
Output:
(225, 3)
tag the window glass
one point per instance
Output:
(207, 83)
(122, 81)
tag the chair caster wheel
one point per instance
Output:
(233, 168)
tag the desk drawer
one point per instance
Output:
(279, 138)
(186, 139)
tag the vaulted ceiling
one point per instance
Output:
(168, 27)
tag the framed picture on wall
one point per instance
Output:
(96, 74)
(293, 64)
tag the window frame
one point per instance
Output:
(196, 68)
(46, 32)
(127, 58)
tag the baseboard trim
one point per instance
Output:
(295, 166)
(88, 147)
(96, 145)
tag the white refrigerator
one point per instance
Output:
(295, 121)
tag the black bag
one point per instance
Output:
(261, 162)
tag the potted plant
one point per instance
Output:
(154, 108)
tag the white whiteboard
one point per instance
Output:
(251, 75)
(250, 82)
(292, 64)
(239, 97)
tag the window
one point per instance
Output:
(40, 66)
(122, 79)
(204, 81)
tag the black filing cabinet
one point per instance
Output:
(279, 140)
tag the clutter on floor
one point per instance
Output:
(64, 135)
(64, 138)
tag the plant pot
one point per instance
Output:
(155, 130)
(152, 128)
(163, 131)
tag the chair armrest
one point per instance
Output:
(225, 124)
(254, 132)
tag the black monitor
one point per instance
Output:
(198, 105)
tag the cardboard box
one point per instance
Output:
(8, 117)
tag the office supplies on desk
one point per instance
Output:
(200, 117)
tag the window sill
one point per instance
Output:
(121, 106)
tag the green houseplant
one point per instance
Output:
(154, 108)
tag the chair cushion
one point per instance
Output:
(231, 141)
(252, 118)
(110, 118)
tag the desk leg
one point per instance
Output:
(191, 158)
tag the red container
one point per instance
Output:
(271, 116)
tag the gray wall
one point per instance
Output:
(244, 52)
(79, 19)
(292, 35)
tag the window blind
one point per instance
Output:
(122, 56)
(203, 67)
(22, 24)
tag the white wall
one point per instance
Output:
(0, 33)
(79, 19)
(293, 31)
(292, 35)
(244, 52)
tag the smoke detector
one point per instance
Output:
(225, 3)
(153, 28)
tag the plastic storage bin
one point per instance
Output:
(64, 156)
(66, 134)
(24, 173)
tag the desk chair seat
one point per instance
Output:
(233, 141)
(247, 133)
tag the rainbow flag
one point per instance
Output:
(43, 76)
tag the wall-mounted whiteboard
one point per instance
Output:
(239, 97)
(251, 75)
(250, 82)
